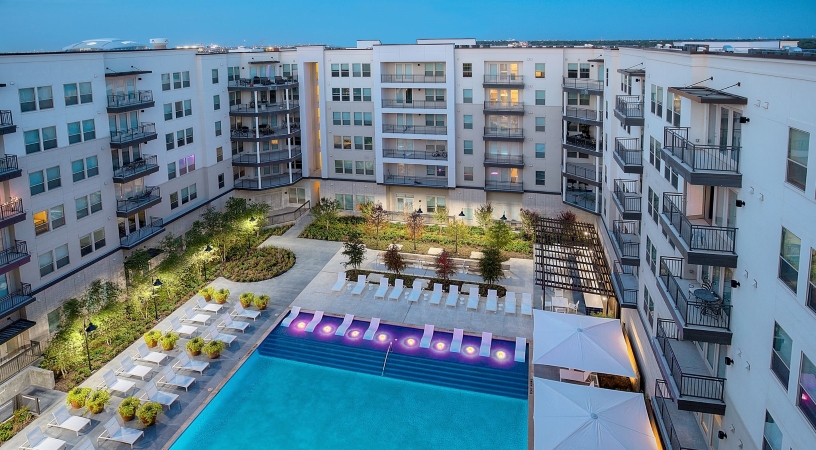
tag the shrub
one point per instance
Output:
(152, 338)
(195, 345)
(484, 215)
(207, 293)
(78, 396)
(326, 211)
(259, 264)
(444, 265)
(127, 409)
(214, 348)
(168, 341)
(490, 265)
(97, 400)
(148, 412)
(261, 301)
(221, 295)
(528, 221)
(499, 235)
(246, 299)
(566, 216)
(394, 260)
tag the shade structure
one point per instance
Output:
(573, 417)
(574, 341)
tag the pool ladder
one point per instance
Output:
(386, 357)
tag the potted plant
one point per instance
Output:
(168, 341)
(213, 348)
(77, 397)
(246, 299)
(148, 412)
(97, 400)
(195, 345)
(152, 338)
(128, 407)
(261, 301)
(221, 295)
(207, 293)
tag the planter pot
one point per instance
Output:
(127, 418)
(220, 301)
(147, 423)
(96, 409)
(214, 355)
(207, 298)
(168, 348)
(192, 353)
(245, 304)
(76, 405)
(261, 308)
(151, 344)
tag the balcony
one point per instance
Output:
(583, 115)
(414, 129)
(268, 182)
(21, 358)
(629, 110)
(266, 158)
(262, 108)
(585, 145)
(689, 381)
(695, 319)
(12, 212)
(497, 160)
(145, 132)
(627, 241)
(415, 154)
(678, 429)
(626, 196)
(583, 86)
(15, 300)
(582, 198)
(154, 227)
(139, 168)
(150, 196)
(587, 173)
(14, 256)
(262, 84)
(629, 155)
(9, 168)
(6, 123)
(432, 182)
(263, 133)
(504, 108)
(504, 134)
(504, 186)
(410, 78)
(119, 103)
(504, 80)
(706, 165)
(699, 242)
(626, 280)
(413, 104)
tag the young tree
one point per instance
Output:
(440, 215)
(365, 209)
(490, 265)
(528, 221)
(484, 215)
(416, 225)
(458, 230)
(498, 235)
(377, 218)
(445, 267)
(394, 260)
(354, 250)
(326, 211)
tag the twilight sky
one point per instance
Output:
(30, 25)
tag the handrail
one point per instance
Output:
(583, 113)
(414, 129)
(661, 397)
(296, 214)
(144, 129)
(630, 106)
(143, 164)
(262, 81)
(491, 158)
(410, 78)
(702, 386)
(8, 163)
(628, 149)
(504, 132)
(155, 224)
(14, 299)
(265, 132)
(11, 208)
(414, 154)
(418, 104)
(13, 253)
(622, 227)
(387, 352)
(264, 107)
(583, 83)
(149, 194)
(416, 181)
(691, 310)
(627, 192)
(509, 78)
(14, 365)
(130, 98)
(719, 158)
(629, 295)
(507, 186)
(503, 106)
(268, 182)
(588, 173)
(267, 157)
(5, 118)
(697, 237)
(590, 144)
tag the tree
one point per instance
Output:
(490, 265)
(354, 249)
(484, 215)
(365, 209)
(326, 211)
(445, 267)
(528, 222)
(377, 218)
(499, 235)
(458, 229)
(416, 225)
(440, 215)
(394, 260)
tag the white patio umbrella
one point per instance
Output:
(574, 341)
(573, 417)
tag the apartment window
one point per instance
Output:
(180, 138)
(336, 118)
(468, 147)
(467, 70)
(233, 73)
(165, 78)
(218, 128)
(92, 242)
(346, 118)
(771, 435)
(654, 152)
(540, 123)
(219, 154)
(220, 181)
(789, 259)
(186, 164)
(179, 109)
(368, 143)
(369, 167)
(214, 76)
(338, 142)
(335, 70)
(806, 397)
(798, 146)
(32, 141)
(438, 95)
(71, 94)
(811, 295)
(28, 100)
(540, 150)
(74, 133)
(168, 111)
(48, 219)
(438, 171)
(540, 178)
(468, 122)
(540, 98)
(185, 79)
(584, 70)
(673, 109)
(572, 70)
(356, 70)
(88, 204)
(85, 168)
(346, 201)
(539, 70)
(366, 94)
(653, 204)
(468, 173)
(177, 80)
(341, 166)
(193, 192)
(781, 355)
(671, 176)
(168, 141)
(359, 167)
(335, 94)
(434, 203)
(189, 133)
(88, 130)
(45, 97)
(174, 202)
(171, 170)
(345, 95)
(344, 70)
(46, 261)
(216, 102)
(346, 142)
(357, 94)
(185, 195)
(366, 70)
(358, 118)
(358, 142)
(467, 96)
(651, 254)
(188, 107)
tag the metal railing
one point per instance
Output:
(583, 113)
(630, 106)
(629, 151)
(149, 194)
(506, 186)
(267, 157)
(145, 129)
(627, 192)
(622, 228)
(585, 143)
(277, 219)
(580, 198)
(8, 163)
(143, 164)
(14, 253)
(718, 158)
(585, 172)
(156, 224)
(414, 154)
(15, 364)
(262, 81)
(630, 296)
(503, 159)
(697, 237)
(11, 208)
(701, 386)
(662, 399)
(264, 107)
(5, 118)
(129, 99)
(495, 132)
(400, 78)
(583, 83)
(507, 78)
(693, 311)
(13, 300)
(498, 105)
(416, 181)
(264, 132)
(414, 129)
(268, 182)
(416, 104)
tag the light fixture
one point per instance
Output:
(744, 119)
(728, 361)
(740, 203)
(503, 217)
(735, 284)
(721, 434)
(462, 213)
(419, 211)
(90, 327)
(158, 283)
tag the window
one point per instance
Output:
(359, 167)
(539, 70)
(74, 133)
(771, 435)
(358, 118)
(165, 78)
(49, 219)
(366, 70)
(781, 355)
(572, 70)
(174, 202)
(540, 123)
(189, 133)
(357, 94)
(54, 319)
(168, 141)
(185, 79)
(346, 118)
(85, 168)
(467, 96)
(188, 107)
(468, 173)
(193, 192)
(806, 397)
(233, 73)
(438, 95)
(468, 122)
(358, 199)
(356, 70)
(85, 133)
(180, 138)
(186, 165)
(46, 261)
(92, 242)
(28, 101)
(789, 259)
(648, 305)
(369, 167)
(346, 142)
(32, 141)
(215, 76)
(336, 118)
(811, 295)
(345, 95)
(435, 203)
(368, 143)
(346, 201)
(653, 204)
(670, 175)
(439, 171)
(584, 70)
(185, 195)
(540, 98)
(335, 94)
(179, 109)
(467, 70)
(218, 128)
(71, 94)
(45, 97)
(651, 254)
(335, 70)
(673, 109)
(468, 147)
(540, 150)
(540, 178)
(798, 146)
(49, 138)
(338, 142)
(88, 130)
(61, 255)
(171, 170)
(220, 181)
(654, 152)
(344, 70)
(358, 142)
(219, 154)
(216, 102)
(341, 166)
(168, 111)
(366, 94)
(298, 195)
(88, 204)
(177, 80)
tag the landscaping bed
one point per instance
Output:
(259, 264)
(407, 281)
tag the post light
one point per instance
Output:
(207, 250)
(503, 217)
(89, 327)
(158, 283)
(419, 210)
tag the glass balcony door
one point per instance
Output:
(503, 123)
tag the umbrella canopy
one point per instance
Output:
(575, 341)
(569, 416)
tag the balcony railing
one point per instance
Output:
(585, 172)
(691, 385)
(416, 181)
(266, 157)
(414, 154)
(697, 237)
(629, 292)
(6, 123)
(414, 104)
(507, 133)
(400, 78)
(268, 182)
(583, 114)
(155, 226)
(627, 193)
(414, 129)
(581, 198)
(694, 312)
(141, 167)
(16, 252)
(629, 151)
(145, 131)
(8, 164)
(630, 107)
(262, 82)
(11, 208)
(663, 401)
(504, 186)
(716, 158)
(514, 160)
(626, 236)
(589, 144)
(584, 84)
(507, 78)
(500, 106)
(134, 203)
(15, 300)
(128, 100)
(264, 133)
(264, 107)
(25, 356)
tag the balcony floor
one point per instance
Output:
(689, 357)
(685, 425)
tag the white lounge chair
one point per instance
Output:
(416, 292)
(341, 330)
(35, 439)
(358, 288)
(202, 305)
(152, 393)
(228, 324)
(133, 370)
(170, 378)
(183, 362)
(510, 303)
(382, 289)
(63, 419)
(456, 343)
(397, 291)
(521, 349)
(239, 312)
(526, 304)
(492, 300)
(183, 330)
(116, 433)
(318, 316)
(487, 339)
(292, 315)
(144, 354)
(436, 297)
(341, 281)
(453, 296)
(114, 384)
(473, 299)
(86, 444)
(427, 335)
(372, 328)
(212, 334)
(194, 317)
